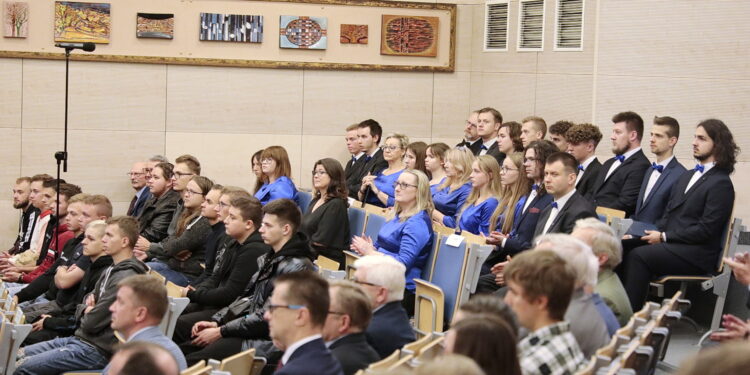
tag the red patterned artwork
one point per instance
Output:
(354, 34)
(409, 36)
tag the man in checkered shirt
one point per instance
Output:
(540, 285)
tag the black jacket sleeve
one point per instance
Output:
(226, 285)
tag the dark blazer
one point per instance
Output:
(353, 352)
(473, 147)
(328, 228)
(577, 207)
(694, 222)
(585, 186)
(652, 209)
(157, 214)
(353, 171)
(523, 229)
(311, 358)
(389, 329)
(138, 206)
(495, 152)
(372, 166)
(620, 190)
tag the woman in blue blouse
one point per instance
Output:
(274, 162)
(452, 193)
(485, 189)
(433, 162)
(408, 236)
(381, 192)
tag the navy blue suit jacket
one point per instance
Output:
(138, 206)
(523, 229)
(389, 329)
(311, 358)
(577, 207)
(652, 209)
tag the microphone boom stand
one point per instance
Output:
(62, 156)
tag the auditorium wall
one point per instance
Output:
(683, 59)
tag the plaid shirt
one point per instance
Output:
(550, 350)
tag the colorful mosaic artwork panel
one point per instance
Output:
(303, 32)
(409, 36)
(354, 34)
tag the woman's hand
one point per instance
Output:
(363, 245)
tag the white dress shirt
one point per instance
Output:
(555, 210)
(617, 163)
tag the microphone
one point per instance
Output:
(88, 46)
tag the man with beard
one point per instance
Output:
(21, 191)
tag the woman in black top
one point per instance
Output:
(326, 221)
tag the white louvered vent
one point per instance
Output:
(569, 30)
(531, 29)
(496, 26)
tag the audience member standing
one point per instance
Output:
(326, 221)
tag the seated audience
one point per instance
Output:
(157, 213)
(450, 195)
(35, 228)
(382, 278)
(433, 162)
(215, 237)
(449, 364)
(277, 174)
(540, 285)
(415, 155)
(179, 257)
(582, 141)
(608, 250)
(472, 142)
(486, 339)
(377, 188)
(138, 309)
(476, 213)
(326, 221)
(257, 171)
(21, 201)
(296, 313)
(370, 134)
(357, 161)
(533, 128)
(142, 357)
(240, 325)
(43, 215)
(509, 138)
(93, 342)
(348, 318)
(408, 236)
(137, 177)
(557, 132)
(488, 123)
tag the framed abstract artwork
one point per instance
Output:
(82, 22)
(231, 28)
(409, 35)
(16, 19)
(155, 25)
(354, 34)
(303, 32)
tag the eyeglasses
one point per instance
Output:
(506, 169)
(136, 174)
(181, 175)
(268, 306)
(356, 281)
(471, 124)
(191, 192)
(402, 185)
(389, 148)
(318, 173)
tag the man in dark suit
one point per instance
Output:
(357, 161)
(348, 317)
(582, 141)
(619, 181)
(659, 179)
(472, 141)
(689, 239)
(383, 279)
(296, 313)
(488, 124)
(137, 176)
(568, 206)
(369, 133)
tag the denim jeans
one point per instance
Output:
(14, 288)
(58, 356)
(171, 275)
(40, 299)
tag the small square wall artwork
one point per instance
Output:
(16, 19)
(155, 25)
(353, 34)
(303, 32)
(231, 28)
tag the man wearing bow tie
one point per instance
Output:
(619, 181)
(357, 161)
(472, 141)
(488, 124)
(582, 141)
(689, 240)
(659, 179)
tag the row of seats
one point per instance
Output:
(243, 363)
(13, 330)
(410, 356)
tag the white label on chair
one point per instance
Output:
(454, 240)
(351, 201)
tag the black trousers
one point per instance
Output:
(186, 321)
(219, 350)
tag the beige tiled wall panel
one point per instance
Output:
(43, 93)
(564, 97)
(400, 101)
(566, 61)
(316, 147)
(10, 159)
(450, 103)
(9, 224)
(464, 36)
(513, 94)
(10, 93)
(741, 180)
(234, 100)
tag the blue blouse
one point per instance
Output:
(409, 242)
(434, 187)
(449, 202)
(283, 187)
(384, 183)
(516, 213)
(476, 218)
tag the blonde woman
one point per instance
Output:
(485, 188)
(408, 236)
(451, 194)
(380, 192)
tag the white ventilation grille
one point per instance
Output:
(496, 26)
(531, 29)
(569, 30)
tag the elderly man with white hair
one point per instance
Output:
(586, 319)
(383, 278)
(608, 249)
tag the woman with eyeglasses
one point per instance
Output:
(326, 221)
(476, 212)
(433, 161)
(257, 171)
(178, 257)
(277, 171)
(378, 189)
(408, 236)
(414, 158)
(451, 194)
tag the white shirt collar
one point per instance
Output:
(375, 152)
(588, 161)
(479, 139)
(631, 152)
(665, 162)
(359, 155)
(290, 350)
(564, 199)
(489, 143)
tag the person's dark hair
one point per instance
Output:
(583, 133)
(250, 209)
(128, 227)
(167, 168)
(568, 161)
(262, 179)
(488, 304)
(514, 131)
(420, 152)
(142, 358)
(673, 127)
(561, 127)
(67, 190)
(337, 186)
(439, 150)
(542, 150)
(490, 342)
(633, 122)
(187, 215)
(148, 292)
(375, 129)
(51, 184)
(725, 149)
(308, 289)
(191, 161)
(286, 210)
(495, 114)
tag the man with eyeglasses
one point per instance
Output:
(471, 141)
(383, 278)
(137, 176)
